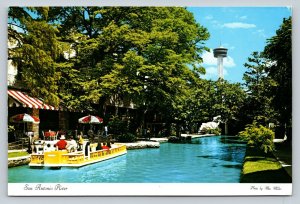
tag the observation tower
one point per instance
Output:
(220, 53)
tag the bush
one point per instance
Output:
(117, 126)
(127, 137)
(259, 137)
(216, 131)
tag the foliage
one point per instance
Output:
(11, 128)
(259, 137)
(259, 85)
(216, 131)
(229, 98)
(117, 126)
(127, 137)
(269, 82)
(134, 52)
(279, 51)
(82, 57)
(34, 49)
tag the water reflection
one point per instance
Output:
(237, 166)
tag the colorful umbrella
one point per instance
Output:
(24, 118)
(90, 119)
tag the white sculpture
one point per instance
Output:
(210, 125)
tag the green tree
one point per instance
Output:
(148, 55)
(259, 84)
(269, 82)
(279, 51)
(34, 49)
(230, 98)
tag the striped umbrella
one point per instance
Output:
(24, 118)
(90, 119)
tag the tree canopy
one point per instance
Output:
(81, 57)
(269, 80)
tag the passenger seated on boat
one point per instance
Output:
(62, 143)
(105, 147)
(80, 142)
(71, 145)
(33, 140)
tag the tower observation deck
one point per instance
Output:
(220, 53)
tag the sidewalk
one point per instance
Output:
(283, 153)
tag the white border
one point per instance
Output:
(149, 189)
(295, 198)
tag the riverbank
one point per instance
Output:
(197, 135)
(18, 161)
(155, 142)
(259, 167)
(142, 145)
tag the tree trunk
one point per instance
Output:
(178, 126)
(226, 128)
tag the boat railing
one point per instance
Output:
(37, 158)
(103, 153)
(73, 158)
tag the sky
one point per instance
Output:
(243, 30)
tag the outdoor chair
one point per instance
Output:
(50, 135)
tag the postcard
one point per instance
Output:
(149, 101)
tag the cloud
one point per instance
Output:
(239, 25)
(212, 73)
(210, 64)
(243, 17)
(261, 33)
(209, 59)
(209, 17)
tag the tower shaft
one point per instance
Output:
(220, 67)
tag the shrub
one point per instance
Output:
(216, 131)
(259, 137)
(11, 128)
(127, 137)
(117, 126)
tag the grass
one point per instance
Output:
(262, 168)
(17, 154)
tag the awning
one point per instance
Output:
(28, 101)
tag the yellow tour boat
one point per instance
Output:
(47, 155)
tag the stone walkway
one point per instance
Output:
(141, 145)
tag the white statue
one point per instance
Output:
(210, 125)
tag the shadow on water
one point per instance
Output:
(236, 166)
(231, 140)
(230, 153)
